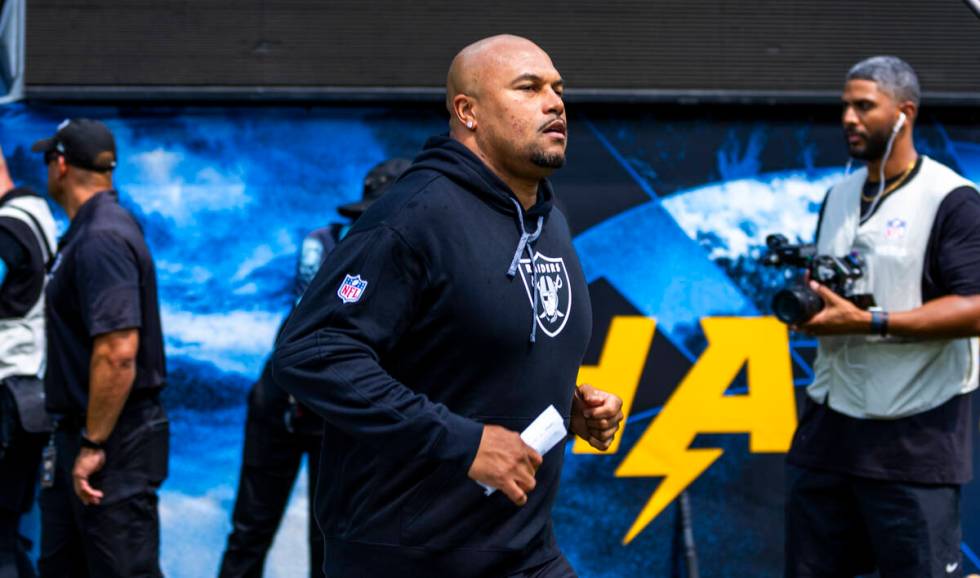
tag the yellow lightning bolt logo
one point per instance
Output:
(699, 405)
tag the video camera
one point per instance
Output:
(798, 304)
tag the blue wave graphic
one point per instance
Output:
(225, 196)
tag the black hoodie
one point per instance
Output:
(416, 332)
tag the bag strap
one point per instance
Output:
(36, 228)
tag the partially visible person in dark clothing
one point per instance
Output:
(278, 430)
(27, 241)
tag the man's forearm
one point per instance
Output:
(110, 382)
(947, 317)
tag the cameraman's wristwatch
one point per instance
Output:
(87, 442)
(879, 323)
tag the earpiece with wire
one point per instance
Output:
(881, 168)
(899, 123)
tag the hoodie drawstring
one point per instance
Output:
(525, 245)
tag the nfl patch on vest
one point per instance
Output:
(896, 229)
(351, 289)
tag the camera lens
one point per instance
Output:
(796, 305)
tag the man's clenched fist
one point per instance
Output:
(596, 416)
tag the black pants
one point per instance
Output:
(840, 526)
(271, 460)
(14, 562)
(19, 466)
(121, 536)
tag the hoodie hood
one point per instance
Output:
(450, 157)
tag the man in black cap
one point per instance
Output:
(105, 372)
(278, 430)
(27, 240)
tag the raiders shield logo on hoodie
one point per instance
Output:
(547, 280)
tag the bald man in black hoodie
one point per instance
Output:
(453, 314)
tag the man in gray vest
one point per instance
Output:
(27, 240)
(884, 443)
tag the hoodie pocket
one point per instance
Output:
(448, 510)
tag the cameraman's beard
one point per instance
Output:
(547, 161)
(874, 147)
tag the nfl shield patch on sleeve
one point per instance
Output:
(351, 289)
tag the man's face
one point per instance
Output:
(868, 118)
(522, 114)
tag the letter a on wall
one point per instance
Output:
(767, 412)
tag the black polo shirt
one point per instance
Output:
(102, 280)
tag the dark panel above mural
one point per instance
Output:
(656, 48)
(670, 208)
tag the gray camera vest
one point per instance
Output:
(22, 340)
(874, 377)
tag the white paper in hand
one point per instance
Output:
(543, 434)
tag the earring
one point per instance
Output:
(469, 124)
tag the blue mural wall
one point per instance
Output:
(670, 208)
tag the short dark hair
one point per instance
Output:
(892, 75)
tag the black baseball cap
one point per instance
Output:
(85, 143)
(378, 179)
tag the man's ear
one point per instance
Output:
(62, 166)
(464, 110)
(911, 111)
